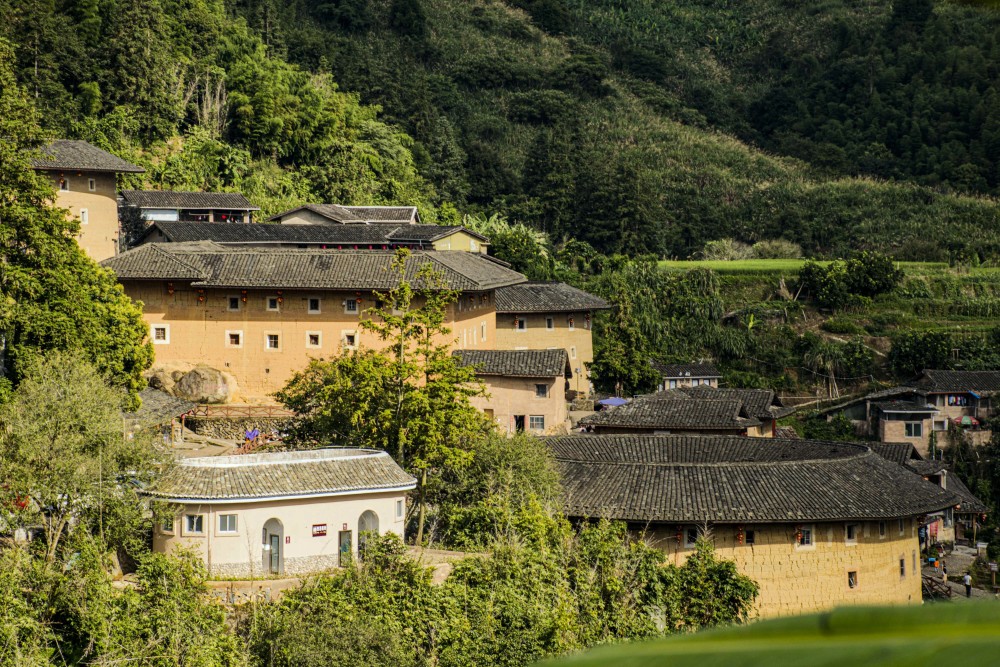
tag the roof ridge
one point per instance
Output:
(173, 258)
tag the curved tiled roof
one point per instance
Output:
(546, 297)
(209, 264)
(984, 382)
(678, 371)
(357, 214)
(516, 363)
(754, 402)
(68, 154)
(158, 407)
(365, 234)
(668, 413)
(313, 473)
(179, 199)
(732, 479)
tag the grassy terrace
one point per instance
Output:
(929, 635)
(778, 267)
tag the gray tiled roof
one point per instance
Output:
(900, 453)
(210, 264)
(732, 479)
(517, 363)
(357, 214)
(261, 234)
(158, 407)
(904, 406)
(980, 382)
(546, 297)
(758, 403)
(669, 413)
(67, 154)
(680, 371)
(195, 200)
(282, 475)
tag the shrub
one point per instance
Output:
(776, 249)
(838, 325)
(726, 250)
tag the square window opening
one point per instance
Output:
(161, 334)
(273, 304)
(541, 391)
(550, 323)
(313, 339)
(227, 523)
(690, 536)
(751, 537)
(805, 536)
(914, 430)
(536, 422)
(234, 303)
(351, 306)
(273, 342)
(235, 339)
(194, 523)
(315, 306)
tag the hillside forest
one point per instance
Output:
(634, 126)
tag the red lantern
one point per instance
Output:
(680, 534)
(243, 295)
(201, 296)
(281, 299)
(739, 535)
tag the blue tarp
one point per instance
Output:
(613, 401)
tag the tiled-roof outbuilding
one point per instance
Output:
(759, 403)
(282, 475)
(546, 297)
(517, 363)
(175, 199)
(208, 264)
(980, 382)
(666, 414)
(158, 407)
(732, 479)
(333, 235)
(79, 155)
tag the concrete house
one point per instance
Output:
(86, 182)
(527, 388)
(815, 524)
(174, 206)
(550, 315)
(256, 315)
(374, 236)
(286, 513)
(678, 376)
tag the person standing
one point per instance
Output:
(944, 571)
(967, 580)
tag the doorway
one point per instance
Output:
(345, 547)
(273, 539)
(519, 423)
(367, 528)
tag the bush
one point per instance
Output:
(776, 249)
(838, 325)
(852, 283)
(726, 250)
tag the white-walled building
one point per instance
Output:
(280, 513)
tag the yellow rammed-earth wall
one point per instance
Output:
(797, 579)
(577, 341)
(99, 224)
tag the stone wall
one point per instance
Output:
(236, 428)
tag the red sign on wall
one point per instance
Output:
(288, 539)
(319, 530)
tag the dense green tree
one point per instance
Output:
(913, 351)
(53, 295)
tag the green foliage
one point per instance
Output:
(52, 296)
(913, 351)
(816, 427)
(561, 591)
(851, 282)
(63, 449)
(508, 479)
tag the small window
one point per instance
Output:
(696, 382)
(522, 324)
(84, 216)
(751, 537)
(91, 184)
(571, 324)
(940, 424)
(572, 352)
(902, 567)
(550, 323)
(314, 339)
(691, 537)
(234, 303)
(902, 526)
(882, 529)
(227, 523)
(673, 384)
(350, 339)
(852, 579)
(194, 523)
(161, 334)
(852, 533)
(64, 185)
(541, 391)
(273, 304)
(167, 524)
(234, 339)
(805, 536)
(536, 423)
(914, 430)
(399, 509)
(482, 331)
(351, 306)
(315, 306)
(273, 342)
